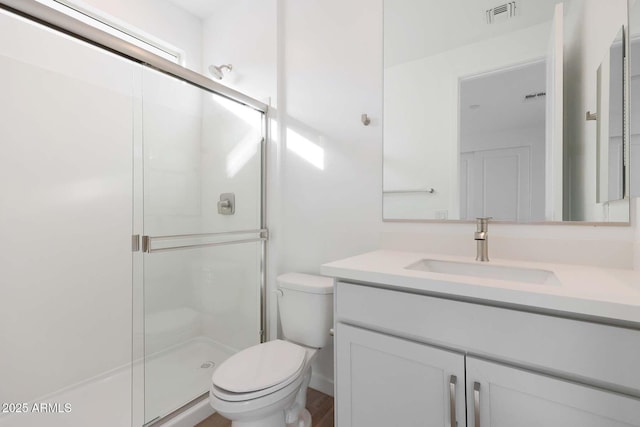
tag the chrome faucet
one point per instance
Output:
(482, 239)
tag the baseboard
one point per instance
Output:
(322, 383)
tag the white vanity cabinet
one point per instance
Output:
(396, 353)
(503, 396)
(388, 381)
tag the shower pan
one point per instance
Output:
(127, 278)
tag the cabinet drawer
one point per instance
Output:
(579, 350)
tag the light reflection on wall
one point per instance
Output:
(306, 149)
(247, 114)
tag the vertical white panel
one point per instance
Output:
(500, 188)
(501, 184)
(66, 127)
(554, 118)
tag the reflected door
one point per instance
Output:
(497, 183)
(202, 255)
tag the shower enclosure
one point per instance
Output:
(202, 264)
(133, 227)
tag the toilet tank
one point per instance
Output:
(305, 303)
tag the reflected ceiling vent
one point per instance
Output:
(534, 96)
(501, 13)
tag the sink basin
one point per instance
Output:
(496, 272)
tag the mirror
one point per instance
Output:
(486, 105)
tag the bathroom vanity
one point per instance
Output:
(426, 340)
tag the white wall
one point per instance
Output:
(417, 115)
(332, 69)
(244, 33)
(159, 18)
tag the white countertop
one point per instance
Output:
(582, 290)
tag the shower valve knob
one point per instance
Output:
(226, 204)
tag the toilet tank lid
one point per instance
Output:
(306, 283)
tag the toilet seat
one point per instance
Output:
(258, 371)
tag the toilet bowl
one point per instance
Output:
(266, 385)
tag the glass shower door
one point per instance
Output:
(203, 238)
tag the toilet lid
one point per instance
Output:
(259, 367)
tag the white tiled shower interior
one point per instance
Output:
(327, 76)
(196, 147)
(59, 316)
(192, 311)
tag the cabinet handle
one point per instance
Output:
(476, 403)
(452, 399)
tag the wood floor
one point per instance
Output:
(319, 405)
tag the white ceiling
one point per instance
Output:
(500, 100)
(419, 28)
(200, 8)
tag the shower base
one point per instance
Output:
(176, 376)
(173, 377)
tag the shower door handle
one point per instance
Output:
(221, 239)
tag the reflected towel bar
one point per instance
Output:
(428, 190)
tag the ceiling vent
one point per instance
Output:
(501, 13)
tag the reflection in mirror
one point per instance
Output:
(610, 122)
(634, 99)
(484, 109)
(502, 133)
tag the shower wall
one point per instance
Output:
(172, 129)
(67, 207)
(199, 304)
(231, 163)
(65, 212)
(197, 146)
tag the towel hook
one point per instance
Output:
(365, 119)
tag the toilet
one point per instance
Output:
(266, 385)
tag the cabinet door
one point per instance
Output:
(386, 381)
(502, 396)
